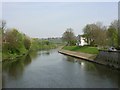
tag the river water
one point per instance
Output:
(50, 69)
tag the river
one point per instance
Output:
(50, 69)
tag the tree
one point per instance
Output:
(2, 29)
(95, 34)
(119, 34)
(91, 32)
(46, 42)
(69, 36)
(27, 42)
(14, 41)
(101, 39)
(3, 24)
(112, 34)
(86, 31)
(0, 39)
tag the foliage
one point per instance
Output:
(112, 34)
(99, 35)
(38, 44)
(69, 37)
(14, 40)
(95, 34)
(27, 42)
(0, 39)
(15, 43)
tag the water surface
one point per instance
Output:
(50, 69)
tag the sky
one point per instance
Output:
(59, 0)
(51, 19)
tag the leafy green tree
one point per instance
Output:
(0, 39)
(27, 42)
(112, 34)
(14, 40)
(69, 37)
(95, 34)
(46, 42)
(119, 34)
(35, 43)
(91, 32)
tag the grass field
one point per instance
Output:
(85, 49)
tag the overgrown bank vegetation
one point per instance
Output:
(15, 43)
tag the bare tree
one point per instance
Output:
(2, 24)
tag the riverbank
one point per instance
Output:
(92, 58)
(85, 56)
(7, 56)
(11, 57)
(83, 49)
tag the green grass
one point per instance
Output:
(85, 49)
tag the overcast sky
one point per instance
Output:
(50, 19)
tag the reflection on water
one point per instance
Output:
(0, 75)
(51, 69)
(27, 60)
(16, 67)
(45, 53)
(100, 70)
(33, 54)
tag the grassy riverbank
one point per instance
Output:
(36, 44)
(84, 49)
(6, 55)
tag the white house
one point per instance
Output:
(81, 41)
